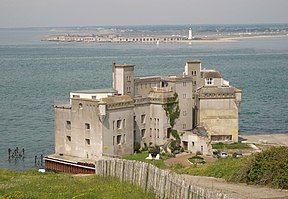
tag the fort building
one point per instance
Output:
(107, 122)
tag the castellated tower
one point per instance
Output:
(123, 78)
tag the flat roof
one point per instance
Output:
(193, 61)
(123, 65)
(104, 90)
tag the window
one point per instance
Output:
(119, 124)
(157, 133)
(209, 81)
(184, 113)
(150, 132)
(143, 131)
(124, 123)
(93, 97)
(68, 124)
(113, 125)
(168, 132)
(193, 143)
(87, 141)
(184, 126)
(143, 117)
(113, 140)
(118, 139)
(184, 83)
(124, 139)
(87, 126)
(184, 96)
(128, 90)
(68, 138)
(80, 106)
(76, 96)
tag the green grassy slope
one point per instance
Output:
(33, 184)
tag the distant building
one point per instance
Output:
(190, 36)
(107, 122)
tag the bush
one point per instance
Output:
(267, 168)
(175, 147)
(175, 134)
(197, 160)
(137, 146)
(236, 145)
(197, 157)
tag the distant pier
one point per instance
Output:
(114, 39)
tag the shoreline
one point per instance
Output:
(279, 139)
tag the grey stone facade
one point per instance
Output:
(107, 122)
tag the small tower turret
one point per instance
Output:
(123, 79)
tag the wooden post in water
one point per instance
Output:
(9, 153)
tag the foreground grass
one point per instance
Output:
(33, 184)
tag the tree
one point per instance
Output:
(172, 110)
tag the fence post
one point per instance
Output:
(163, 183)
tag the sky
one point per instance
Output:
(54, 13)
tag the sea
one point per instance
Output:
(35, 74)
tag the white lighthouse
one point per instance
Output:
(190, 37)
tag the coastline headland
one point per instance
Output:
(147, 39)
(120, 39)
(115, 35)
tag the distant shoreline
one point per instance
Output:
(143, 39)
(271, 139)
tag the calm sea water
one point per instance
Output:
(35, 74)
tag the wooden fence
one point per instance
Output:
(164, 183)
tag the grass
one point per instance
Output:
(222, 168)
(33, 184)
(236, 145)
(142, 157)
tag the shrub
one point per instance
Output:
(175, 146)
(267, 168)
(197, 160)
(137, 146)
(236, 145)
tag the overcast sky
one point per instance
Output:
(43, 13)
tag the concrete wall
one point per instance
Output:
(117, 128)
(183, 88)
(219, 117)
(142, 87)
(196, 143)
(142, 124)
(159, 124)
(62, 130)
(119, 80)
(83, 137)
